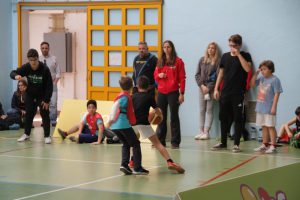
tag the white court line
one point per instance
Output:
(57, 159)
(8, 138)
(78, 185)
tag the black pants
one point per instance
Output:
(245, 132)
(231, 106)
(163, 100)
(129, 139)
(31, 105)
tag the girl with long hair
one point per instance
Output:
(206, 77)
(170, 77)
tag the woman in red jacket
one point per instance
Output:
(170, 77)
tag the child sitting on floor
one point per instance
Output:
(288, 134)
(90, 128)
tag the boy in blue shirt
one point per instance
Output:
(120, 121)
(269, 89)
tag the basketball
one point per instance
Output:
(155, 118)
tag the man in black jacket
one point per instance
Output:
(144, 64)
(38, 92)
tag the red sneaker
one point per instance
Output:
(174, 166)
(131, 164)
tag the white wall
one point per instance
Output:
(72, 85)
(270, 30)
(77, 23)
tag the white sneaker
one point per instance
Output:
(23, 138)
(272, 149)
(262, 148)
(236, 149)
(47, 140)
(204, 136)
(198, 137)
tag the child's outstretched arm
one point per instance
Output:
(100, 134)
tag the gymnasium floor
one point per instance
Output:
(65, 170)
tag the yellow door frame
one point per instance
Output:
(112, 4)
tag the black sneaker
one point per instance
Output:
(62, 133)
(126, 170)
(219, 146)
(141, 171)
(73, 139)
(109, 141)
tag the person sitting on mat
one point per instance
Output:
(90, 128)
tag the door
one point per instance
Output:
(113, 35)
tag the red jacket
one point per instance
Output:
(175, 77)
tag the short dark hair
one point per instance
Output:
(269, 64)
(93, 102)
(297, 111)
(125, 82)
(32, 53)
(236, 39)
(143, 43)
(45, 43)
(143, 82)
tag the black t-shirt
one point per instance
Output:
(235, 77)
(147, 70)
(142, 101)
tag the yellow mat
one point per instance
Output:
(73, 110)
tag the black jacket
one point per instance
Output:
(40, 83)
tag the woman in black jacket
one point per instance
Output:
(18, 101)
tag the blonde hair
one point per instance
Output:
(207, 58)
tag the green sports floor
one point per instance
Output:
(65, 170)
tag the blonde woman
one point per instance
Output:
(206, 77)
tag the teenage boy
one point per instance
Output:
(234, 68)
(38, 93)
